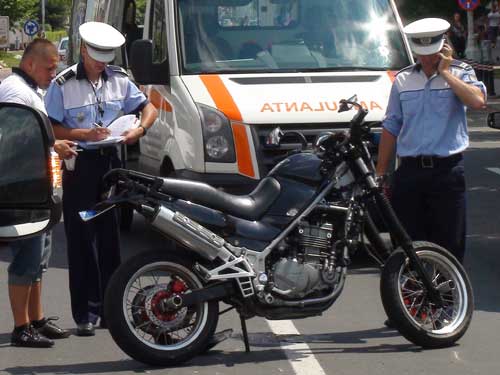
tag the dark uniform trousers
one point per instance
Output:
(93, 247)
(428, 195)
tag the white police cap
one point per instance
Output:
(426, 36)
(101, 40)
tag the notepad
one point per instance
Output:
(119, 126)
(122, 124)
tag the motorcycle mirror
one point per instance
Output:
(353, 98)
(344, 103)
(273, 139)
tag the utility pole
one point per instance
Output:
(473, 52)
(43, 15)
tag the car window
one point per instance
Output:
(64, 44)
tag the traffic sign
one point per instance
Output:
(468, 5)
(30, 27)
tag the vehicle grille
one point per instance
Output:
(269, 156)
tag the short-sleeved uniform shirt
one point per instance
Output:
(22, 89)
(76, 103)
(425, 114)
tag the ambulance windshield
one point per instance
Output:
(289, 35)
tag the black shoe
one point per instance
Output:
(388, 323)
(85, 329)
(49, 329)
(28, 337)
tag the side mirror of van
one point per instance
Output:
(493, 120)
(145, 71)
(28, 205)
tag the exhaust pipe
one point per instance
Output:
(191, 234)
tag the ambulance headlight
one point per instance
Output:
(217, 147)
(217, 136)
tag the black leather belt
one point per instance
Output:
(430, 161)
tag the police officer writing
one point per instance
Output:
(36, 70)
(426, 122)
(81, 102)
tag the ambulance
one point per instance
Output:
(225, 74)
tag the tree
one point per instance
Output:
(19, 10)
(57, 13)
(411, 10)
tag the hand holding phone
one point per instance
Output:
(446, 55)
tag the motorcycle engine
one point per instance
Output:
(310, 263)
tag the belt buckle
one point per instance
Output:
(427, 161)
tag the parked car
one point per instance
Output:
(62, 50)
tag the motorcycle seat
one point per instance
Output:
(249, 207)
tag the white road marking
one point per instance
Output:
(299, 354)
(494, 170)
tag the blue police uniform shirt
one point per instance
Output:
(72, 101)
(425, 114)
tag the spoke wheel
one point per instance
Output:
(140, 319)
(409, 307)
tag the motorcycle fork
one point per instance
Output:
(402, 238)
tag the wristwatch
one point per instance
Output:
(144, 130)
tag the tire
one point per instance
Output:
(405, 303)
(137, 322)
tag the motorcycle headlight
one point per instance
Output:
(217, 135)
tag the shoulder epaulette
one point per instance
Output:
(406, 68)
(459, 64)
(118, 69)
(66, 75)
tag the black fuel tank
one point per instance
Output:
(300, 178)
(303, 167)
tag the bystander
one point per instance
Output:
(32, 328)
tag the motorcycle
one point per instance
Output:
(280, 252)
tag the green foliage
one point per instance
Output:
(55, 36)
(57, 13)
(9, 59)
(19, 10)
(141, 8)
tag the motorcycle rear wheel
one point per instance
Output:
(137, 319)
(405, 300)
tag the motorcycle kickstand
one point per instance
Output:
(245, 333)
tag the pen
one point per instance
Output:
(97, 125)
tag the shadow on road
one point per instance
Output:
(230, 359)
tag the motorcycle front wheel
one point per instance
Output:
(408, 307)
(137, 316)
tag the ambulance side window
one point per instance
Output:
(158, 31)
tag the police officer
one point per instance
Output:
(81, 102)
(426, 122)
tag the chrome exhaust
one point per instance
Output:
(190, 233)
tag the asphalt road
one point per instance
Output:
(348, 339)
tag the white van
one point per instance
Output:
(225, 73)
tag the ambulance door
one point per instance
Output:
(28, 205)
